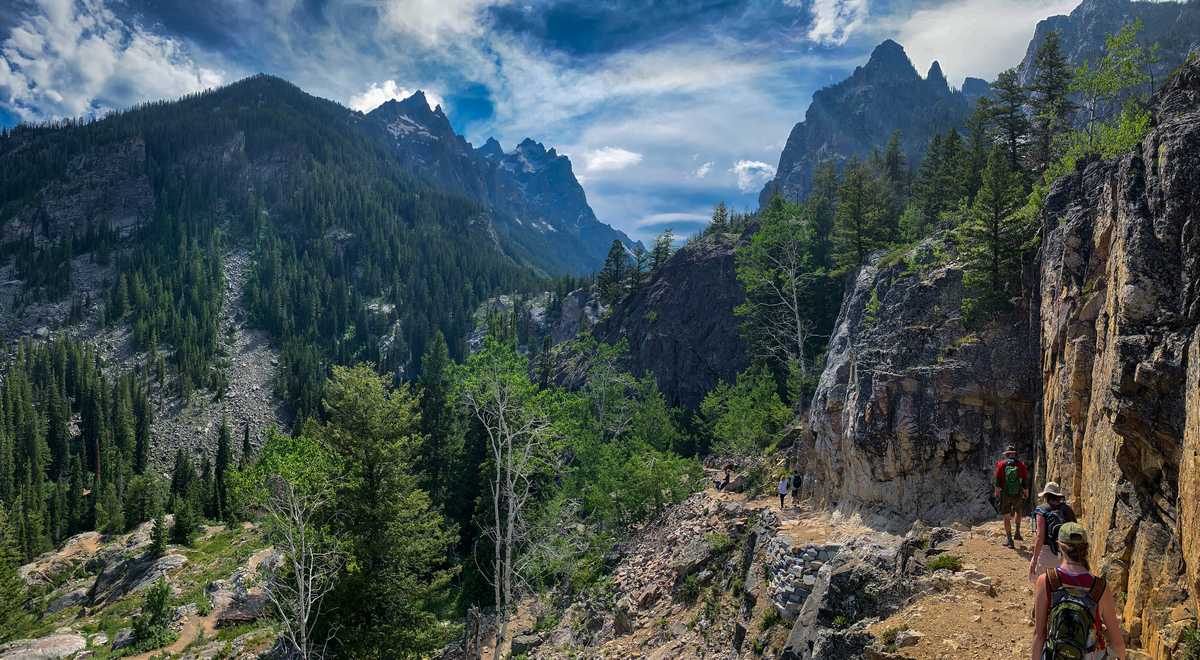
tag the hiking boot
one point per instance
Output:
(1017, 536)
(1008, 543)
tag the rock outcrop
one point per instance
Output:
(1096, 373)
(1174, 26)
(1120, 309)
(858, 115)
(912, 407)
(680, 325)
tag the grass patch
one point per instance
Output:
(951, 563)
(1189, 643)
(689, 592)
(841, 621)
(720, 542)
(770, 618)
(888, 638)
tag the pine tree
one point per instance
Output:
(1049, 99)
(638, 267)
(186, 520)
(663, 246)
(247, 455)
(158, 536)
(182, 476)
(720, 218)
(611, 280)
(857, 224)
(442, 442)
(110, 515)
(13, 616)
(1008, 115)
(992, 237)
(220, 489)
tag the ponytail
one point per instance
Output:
(1077, 553)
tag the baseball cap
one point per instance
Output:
(1072, 534)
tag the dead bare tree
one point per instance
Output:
(501, 397)
(308, 562)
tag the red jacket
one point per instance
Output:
(1021, 470)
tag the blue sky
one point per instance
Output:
(664, 107)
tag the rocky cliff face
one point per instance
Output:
(859, 114)
(1174, 26)
(912, 408)
(540, 212)
(1120, 307)
(680, 326)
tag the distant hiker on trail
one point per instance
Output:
(1074, 610)
(1048, 520)
(784, 486)
(1011, 480)
(796, 479)
(728, 476)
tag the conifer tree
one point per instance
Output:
(611, 280)
(1049, 99)
(1008, 115)
(637, 267)
(158, 536)
(442, 442)
(857, 224)
(220, 489)
(992, 236)
(246, 457)
(13, 616)
(663, 246)
(720, 218)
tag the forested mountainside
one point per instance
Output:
(541, 214)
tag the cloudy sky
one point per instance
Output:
(664, 106)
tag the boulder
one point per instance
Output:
(59, 645)
(523, 644)
(131, 575)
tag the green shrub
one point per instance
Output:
(1189, 644)
(152, 628)
(841, 621)
(888, 638)
(946, 562)
(720, 542)
(760, 646)
(690, 590)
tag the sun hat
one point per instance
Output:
(1072, 533)
(1052, 488)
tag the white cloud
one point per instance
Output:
(833, 21)
(70, 58)
(660, 219)
(434, 22)
(379, 93)
(752, 174)
(703, 170)
(952, 34)
(609, 159)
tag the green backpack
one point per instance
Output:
(1072, 619)
(1012, 479)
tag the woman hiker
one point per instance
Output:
(1074, 610)
(784, 487)
(1048, 520)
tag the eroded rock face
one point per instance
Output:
(1120, 289)
(680, 326)
(912, 408)
(62, 645)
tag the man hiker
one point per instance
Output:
(1074, 610)
(784, 487)
(796, 479)
(1011, 480)
(728, 476)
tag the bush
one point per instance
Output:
(719, 542)
(152, 628)
(946, 562)
(690, 590)
(888, 638)
(1189, 645)
(770, 618)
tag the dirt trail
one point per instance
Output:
(966, 623)
(192, 627)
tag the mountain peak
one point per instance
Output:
(490, 149)
(935, 74)
(889, 59)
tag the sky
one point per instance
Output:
(664, 107)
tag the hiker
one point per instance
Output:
(796, 480)
(784, 486)
(1074, 610)
(1048, 521)
(728, 476)
(1011, 480)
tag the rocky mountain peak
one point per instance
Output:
(889, 60)
(414, 110)
(975, 88)
(490, 149)
(936, 77)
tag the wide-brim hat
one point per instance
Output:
(1011, 449)
(1052, 488)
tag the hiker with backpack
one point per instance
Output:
(1074, 610)
(785, 484)
(796, 480)
(1048, 520)
(1011, 480)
